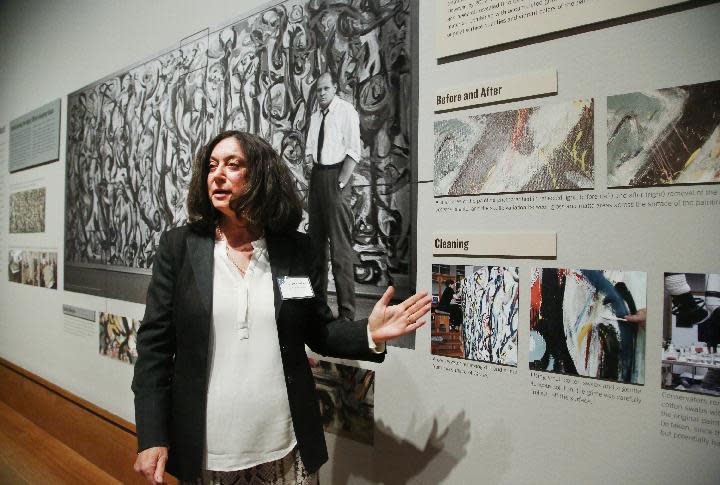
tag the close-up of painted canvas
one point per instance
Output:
(27, 211)
(476, 316)
(534, 149)
(118, 337)
(579, 323)
(347, 399)
(664, 136)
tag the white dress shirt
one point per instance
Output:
(248, 418)
(342, 133)
(248, 414)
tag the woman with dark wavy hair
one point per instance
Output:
(223, 389)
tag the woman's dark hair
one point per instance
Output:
(270, 201)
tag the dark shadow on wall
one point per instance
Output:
(397, 461)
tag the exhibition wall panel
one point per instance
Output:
(586, 402)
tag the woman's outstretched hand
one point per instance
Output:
(390, 321)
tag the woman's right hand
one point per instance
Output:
(150, 463)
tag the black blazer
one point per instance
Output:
(171, 372)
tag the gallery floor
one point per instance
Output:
(29, 455)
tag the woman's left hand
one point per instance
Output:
(390, 321)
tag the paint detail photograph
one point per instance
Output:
(588, 323)
(118, 337)
(691, 333)
(545, 148)
(27, 211)
(15, 258)
(33, 268)
(131, 138)
(475, 313)
(346, 395)
(664, 136)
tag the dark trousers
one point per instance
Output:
(456, 315)
(331, 221)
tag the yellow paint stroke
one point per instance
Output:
(580, 159)
(584, 331)
(691, 158)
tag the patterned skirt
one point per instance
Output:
(285, 471)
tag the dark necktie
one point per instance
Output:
(321, 136)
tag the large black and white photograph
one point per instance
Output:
(327, 84)
(27, 211)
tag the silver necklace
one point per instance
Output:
(221, 236)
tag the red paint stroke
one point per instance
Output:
(519, 129)
(535, 301)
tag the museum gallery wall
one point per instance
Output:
(596, 128)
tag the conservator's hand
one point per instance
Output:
(150, 463)
(390, 321)
(640, 318)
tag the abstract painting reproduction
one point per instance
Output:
(347, 396)
(578, 324)
(535, 149)
(476, 316)
(664, 137)
(118, 337)
(27, 211)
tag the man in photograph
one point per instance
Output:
(449, 303)
(333, 147)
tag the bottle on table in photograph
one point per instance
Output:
(706, 355)
(668, 378)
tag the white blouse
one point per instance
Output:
(248, 414)
(341, 133)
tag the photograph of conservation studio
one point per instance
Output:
(691, 333)
(359, 242)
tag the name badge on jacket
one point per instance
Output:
(294, 287)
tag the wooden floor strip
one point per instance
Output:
(29, 455)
